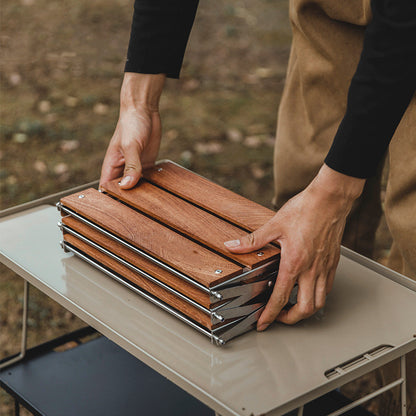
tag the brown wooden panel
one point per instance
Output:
(147, 266)
(188, 219)
(221, 201)
(152, 288)
(157, 240)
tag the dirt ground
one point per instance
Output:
(61, 67)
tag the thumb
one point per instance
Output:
(257, 239)
(132, 167)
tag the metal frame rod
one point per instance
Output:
(16, 407)
(248, 274)
(23, 342)
(370, 396)
(403, 386)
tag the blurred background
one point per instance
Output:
(61, 68)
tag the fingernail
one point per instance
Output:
(262, 327)
(125, 181)
(232, 243)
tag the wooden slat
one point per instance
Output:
(188, 219)
(200, 191)
(157, 240)
(147, 266)
(152, 288)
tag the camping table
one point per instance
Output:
(369, 320)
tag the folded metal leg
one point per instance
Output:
(24, 330)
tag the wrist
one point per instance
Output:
(141, 91)
(335, 186)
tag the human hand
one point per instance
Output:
(309, 229)
(136, 140)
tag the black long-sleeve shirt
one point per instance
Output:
(380, 91)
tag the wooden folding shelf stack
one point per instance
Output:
(164, 239)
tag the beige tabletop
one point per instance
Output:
(257, 373)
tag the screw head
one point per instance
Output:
(81, 196)
(160, 169)
(260, 254)
(218, 271)
(218, 295)
(269, 283)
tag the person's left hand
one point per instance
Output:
(309, 230)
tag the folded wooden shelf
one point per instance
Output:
(165, 240)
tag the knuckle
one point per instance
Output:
(306, 310)
(280, 299)
(294, 265)
(251, 238)
(319, 304)
(129, 167)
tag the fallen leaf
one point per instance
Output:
(19, 137)
(40, 166)
(101, 109)
(257, 171)
(51, 118)
(44, 106)
(234, 135)
(15, 78)
(11, 180)
(186, 158)
(264, 72)
(171, 134)
(69, 145)
(71, 101)
(60, 168)
(253, 141)
(191, 85)
(208, 148)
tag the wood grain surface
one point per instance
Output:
(189, 219)
(152, 288)
(215, 198)
(157, 240)
(140, 262)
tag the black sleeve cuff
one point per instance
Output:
(159, 34)
(380, 90)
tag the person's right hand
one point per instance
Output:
(136, 140)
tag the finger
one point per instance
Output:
(332, 271)
(278, 299)
(132, 166)
(321, 291)
(149, 154)
(259, 238)
(331, 278)
(305, 306)
(112, 165)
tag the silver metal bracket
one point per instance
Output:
(23, 342)
(234, 329)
